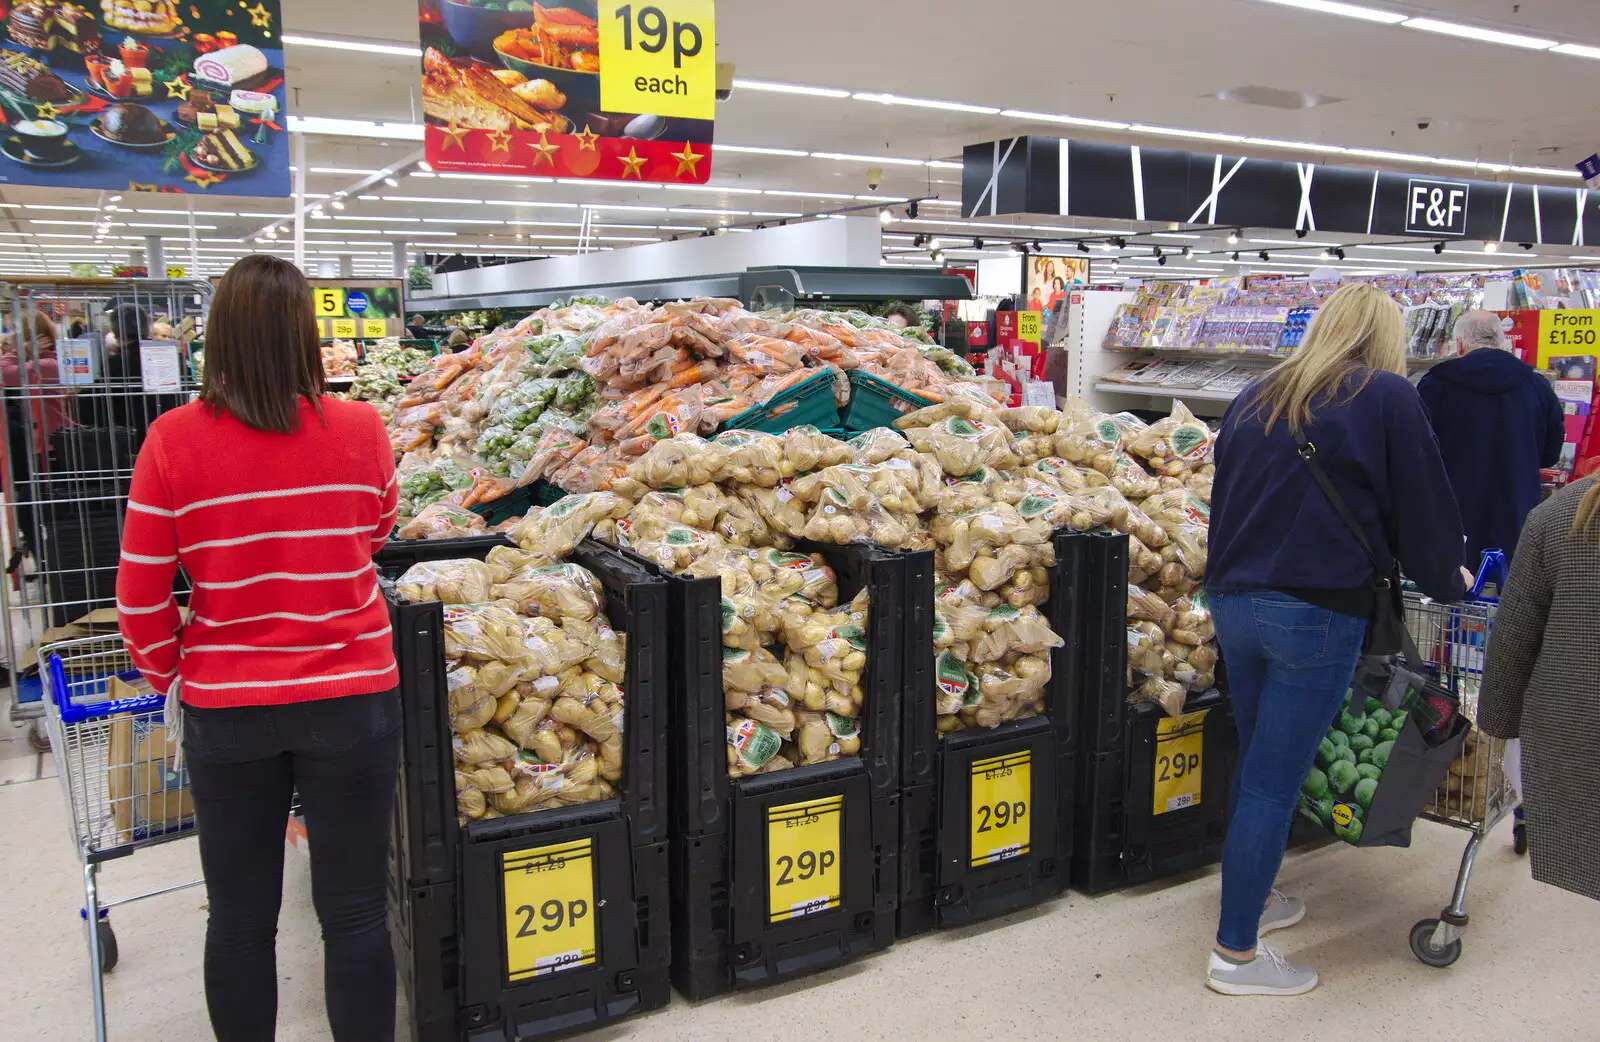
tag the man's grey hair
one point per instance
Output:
(1478, 329)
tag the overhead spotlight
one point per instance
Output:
(1119, 242)
(115, 199)
(1187, 253)
(1161, 261)
(425, 167)
(338, 204)
(1155, 251)
(391, 182)
(934, 244)
(1116, 265)
(1491, 247)
(1036, 247)
(1526, 245)
(1083, 247)
(938, 256)
(784, 223)
(705, 233)
(1020, 247)
(919, 241)
(1438, 247)
(1299, 233)
(885, 217)
(1326, 255)
(1233, 237)
(977, 243)
(1264, 255)
(1236, 256)
(1338, 252)
(761, 227)
(911, 210)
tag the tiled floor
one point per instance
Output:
(1120, 966)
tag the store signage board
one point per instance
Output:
(602, 91)
(1043, 175)
(1001, 827)
(348, 309)
(95, 91)
(1180, 752)
(1047, 279)
(550, 910)
(1589, 170)
(1565, 333)
(805, 868)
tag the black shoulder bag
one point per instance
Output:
(1391, 671)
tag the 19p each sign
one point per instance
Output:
(659, 59)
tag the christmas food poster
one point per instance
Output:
(144, 95)
(515, 87)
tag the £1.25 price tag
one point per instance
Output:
(1002, 788)
(1180, 747)
(804, 858)
(549, 909)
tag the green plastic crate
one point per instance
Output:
(875, 402)
(808, 402)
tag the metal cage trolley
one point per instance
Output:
(75, 419)
(1476, 795)
(118, 775)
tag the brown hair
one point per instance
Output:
(263, 352)
(40, 331)
(1588, 509)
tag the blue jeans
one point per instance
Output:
(1289, 667)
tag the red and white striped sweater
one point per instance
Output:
(277, 533)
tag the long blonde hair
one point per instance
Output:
(1358, 331)
(1588, 509)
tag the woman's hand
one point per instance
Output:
(1469, 579)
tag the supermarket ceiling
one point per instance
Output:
(1368, 90)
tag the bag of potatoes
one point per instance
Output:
(962, 446)
(685, 459)
(556, 530)
(556, 591)
(451, 582)
(879, 444)
(806, 449)
(753, 458)
(1174, 446)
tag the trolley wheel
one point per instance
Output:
(1422, 945)
(1519, 837)
(38, 740)
(108, 946)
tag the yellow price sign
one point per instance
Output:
(660, 59)
(175, 272)
(1567, 333)
(549, 908)
(345, 328)
(1030, 326)
(1180, 748)
(804, 858)
(329, 301)
(1002, 788)
(374, 328)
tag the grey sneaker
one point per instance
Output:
(1269, 973)
(1282, 911)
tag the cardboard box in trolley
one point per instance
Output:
(148, 797)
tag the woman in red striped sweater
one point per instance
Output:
(273, 498)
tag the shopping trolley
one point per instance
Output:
(1453, 640)
(117, 775)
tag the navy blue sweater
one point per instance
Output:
(1498, 422)
(1273, 528)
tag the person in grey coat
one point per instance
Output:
(1540, 683)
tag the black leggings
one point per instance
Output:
(245, 764)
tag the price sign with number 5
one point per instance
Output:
(329, 301)
(659, 58)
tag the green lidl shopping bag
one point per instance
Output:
(1375, 773)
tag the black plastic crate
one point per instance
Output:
(724, 935)
(1125, 833)
(427, 837)
(398, 555)
(752, 906)
(941, 883)
(471, 970)
(701, 788)
(1098, 618)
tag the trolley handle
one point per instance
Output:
(73, 713)
(1493, 565)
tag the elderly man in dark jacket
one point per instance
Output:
(1498, 422)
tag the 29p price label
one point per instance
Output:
(1002, 791)
(659, 58)
(805, 861)
(549, 909)
(1180, 757)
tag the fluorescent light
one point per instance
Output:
(1204, 135)
(1051, 117)
(756, 150)
(1545, 171)
(368, 47)
(789, 88)
(625, 206)
(595, 183)
(1472, 32)
(714, 188)
(1293, 242)
(530, 202)
(495, 177)
(698, 211)
(774, 213)
(396, 220)
(943, 164)
(42, 206)
(849, 157)
(1304, 146)
(343, 170)
(1577, 50)
(181, 227)
(1393, 157)
(1369, 14)
(432, 199)
(928, 103)
(355, 128)
(809, 195)
(462, 220)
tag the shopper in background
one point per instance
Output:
(273, 498)
(37, 407)
(1292, 589)
(417, 327)
(1498, 423)
(1539, 683)
(459, 340)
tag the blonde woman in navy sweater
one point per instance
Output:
(273, 498)
(1292, 588)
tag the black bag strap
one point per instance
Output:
(1381, 577)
